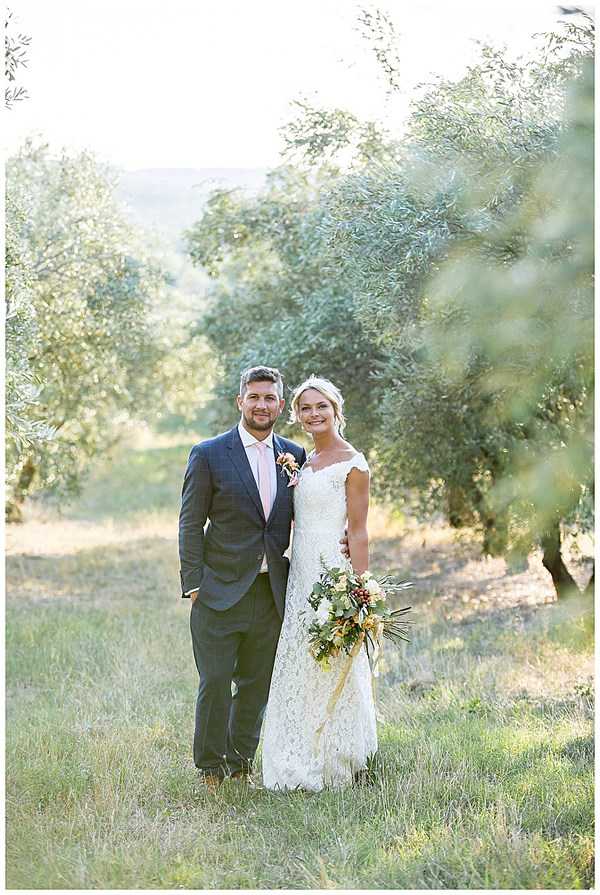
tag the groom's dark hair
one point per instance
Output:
(261, 374)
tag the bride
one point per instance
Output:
(332, 492)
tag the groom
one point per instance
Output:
(235, 573)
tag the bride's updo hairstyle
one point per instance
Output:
(329, 391)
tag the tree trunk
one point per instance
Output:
(564, 584)
(494, 526)
(13, 512)
(460, 514)
(495, 534)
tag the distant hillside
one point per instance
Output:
(170, 199)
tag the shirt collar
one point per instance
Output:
(248, 439)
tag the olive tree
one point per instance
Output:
(450, 250)
(514, 317)
(412, 253)
(89, 342)
(16, 46)
(274, 297)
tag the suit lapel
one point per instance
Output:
(240, 461)
(281, 476)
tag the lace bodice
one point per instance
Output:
(320, 495)
(300, 689)
(319, 524)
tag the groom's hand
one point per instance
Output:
(345, 547)
(194, 594)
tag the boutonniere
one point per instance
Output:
(290, 466)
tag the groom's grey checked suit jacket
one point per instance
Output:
(224, 559)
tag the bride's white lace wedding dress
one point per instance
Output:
(293, 756)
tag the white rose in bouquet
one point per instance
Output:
(322, 614)
(373, 587)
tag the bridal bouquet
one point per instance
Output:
(351, 610)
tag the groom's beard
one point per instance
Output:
(259, 424)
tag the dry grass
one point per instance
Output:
(485, 772)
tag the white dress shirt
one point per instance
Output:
(249, 442)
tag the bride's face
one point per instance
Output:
(315, 412)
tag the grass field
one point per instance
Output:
(484, 777)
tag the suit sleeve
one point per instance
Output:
(196, 498)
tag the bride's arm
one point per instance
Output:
(357, 502)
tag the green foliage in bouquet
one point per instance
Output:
(350, 609)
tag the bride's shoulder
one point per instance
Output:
(347, 450)
(350, 451)
(355, 460)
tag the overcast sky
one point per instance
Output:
(207, 83)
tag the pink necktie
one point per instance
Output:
(264, 478)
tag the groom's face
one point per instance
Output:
(260, 405)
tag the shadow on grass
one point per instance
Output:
(418, 560)
(144, 569)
